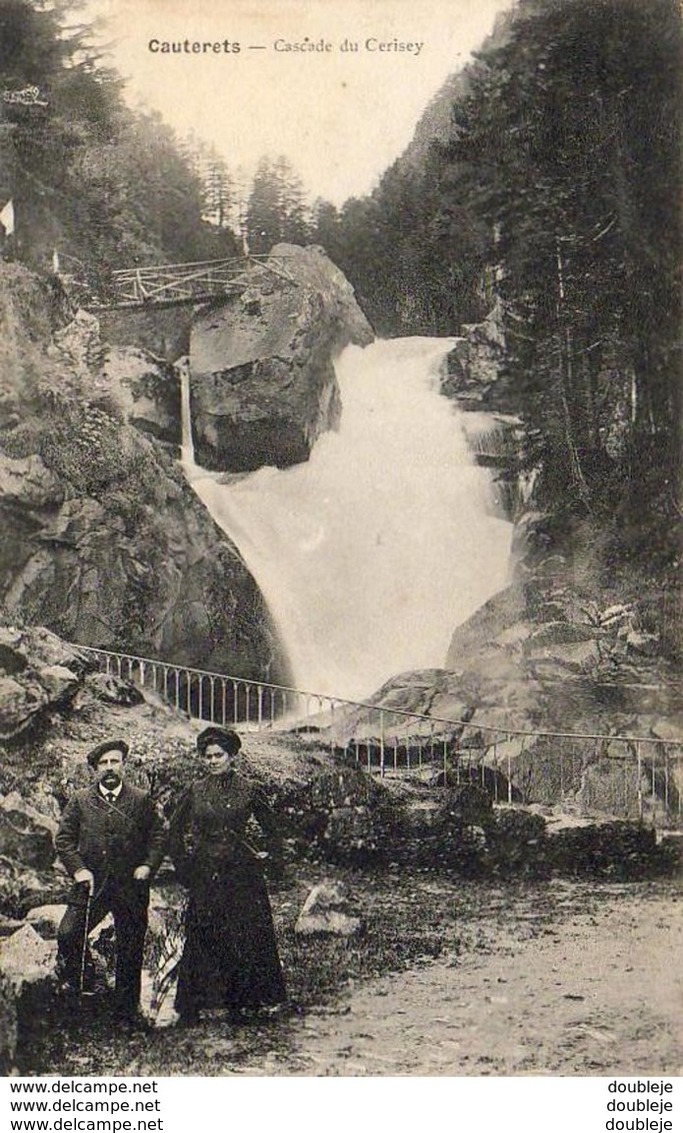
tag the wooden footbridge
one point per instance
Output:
(174, 285)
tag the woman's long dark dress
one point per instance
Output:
(230, 958)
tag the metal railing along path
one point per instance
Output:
(628, 775)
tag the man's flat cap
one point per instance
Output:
(93, 757)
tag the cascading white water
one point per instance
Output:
(186, 446)
(374, 550)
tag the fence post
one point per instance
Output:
(495, 770)
(224, 702)
(332, 735)
(381, 744)
(639, 771)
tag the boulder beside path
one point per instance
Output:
(327, 910)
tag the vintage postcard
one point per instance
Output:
(340, 704)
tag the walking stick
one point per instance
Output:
(84, 950)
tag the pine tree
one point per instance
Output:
(569, 140)
(276, 209)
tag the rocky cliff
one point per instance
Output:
(263, 386)
(103, 540)
(475, 364)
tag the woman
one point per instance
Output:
(230, 957)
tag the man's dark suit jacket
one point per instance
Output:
(110, 839)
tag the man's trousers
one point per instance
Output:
(127, 900)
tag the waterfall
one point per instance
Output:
(186, 443)
(371, 553)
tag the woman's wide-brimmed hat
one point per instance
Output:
(223, 737)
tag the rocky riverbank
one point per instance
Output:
(104, 541)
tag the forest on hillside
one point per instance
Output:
(106, 186)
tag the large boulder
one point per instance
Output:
(37, 648)
(26, 836)
(263, 385)
(60, 683)
(475, 366)
(26, 984)
(38, 673)
(21, 700)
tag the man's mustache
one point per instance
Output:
(111, 778)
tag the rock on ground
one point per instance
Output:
(325, 910)
(26, 982)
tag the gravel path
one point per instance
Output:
(603, 994)
(566, 979)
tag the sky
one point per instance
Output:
(341, 117)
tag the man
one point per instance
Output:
(111, 839)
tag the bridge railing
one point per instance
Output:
(161, 285)
(638, 777)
